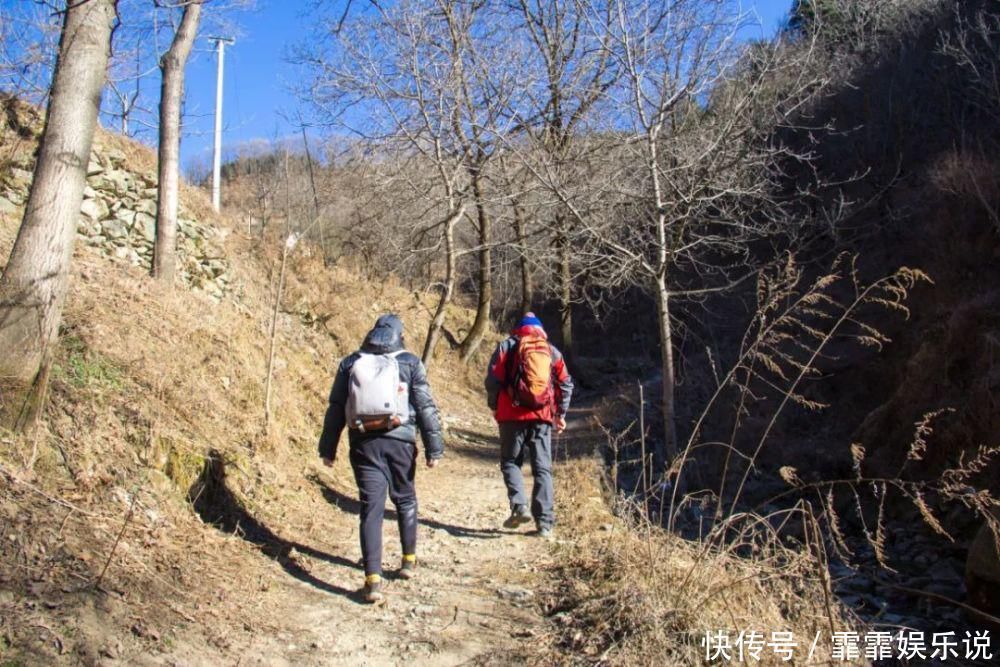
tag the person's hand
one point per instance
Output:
(560, 424)
(432, 463)
(327, 462)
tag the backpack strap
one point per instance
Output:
(509, 366)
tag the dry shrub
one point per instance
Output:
(644, 595)
(635, 594)
(972, 178)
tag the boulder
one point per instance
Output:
(7, 207)
(114, 157)
(85, 226)
(114, 229)
(146, 225)
(213, 290)
(147, 206)
(16, 195)
(21, 175)
(126, 216)
(95, 209)
(214, 267)
(114, 181)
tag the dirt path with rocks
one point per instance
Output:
(475, 599)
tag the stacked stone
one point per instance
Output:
(118, 219)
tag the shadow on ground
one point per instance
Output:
(578, 441)
(215, 504)
(353, 506)
(474, 445)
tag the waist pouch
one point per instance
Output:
(375, 424)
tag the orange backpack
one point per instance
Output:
(531, 383)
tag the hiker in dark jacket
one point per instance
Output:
(384, 456)
(528, 430)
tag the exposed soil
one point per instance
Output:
(476, 599)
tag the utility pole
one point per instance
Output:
(217, 157)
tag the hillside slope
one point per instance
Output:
(157, 395)
(151, 520)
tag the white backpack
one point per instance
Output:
(376, 399)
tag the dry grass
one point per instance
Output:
(636, 594)
(94, 511)
(147, 382)
(633, 594)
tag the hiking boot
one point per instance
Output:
(518, 517)
(373, 589)
(408, 569)
(544, 532)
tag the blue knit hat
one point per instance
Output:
(529, 320)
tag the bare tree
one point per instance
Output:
(29, 36)
(670, 52)
(683, 178)
(34, 282)
(485, 82)
(172, 65)
(701, 161)
(134, 55)
(574, 72)
(436, 93)
(406, 88)
(127, 91)
(519, 216)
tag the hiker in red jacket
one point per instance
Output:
(529, 390)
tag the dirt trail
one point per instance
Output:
(475, 599)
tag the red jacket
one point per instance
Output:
(498, 395)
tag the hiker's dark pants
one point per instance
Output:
(385, 465)
(533, 439)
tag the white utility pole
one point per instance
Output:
(217, 157)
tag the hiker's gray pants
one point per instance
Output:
(533, 439)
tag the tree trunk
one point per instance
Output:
(434, 331)
(263, 217)
(527, 286)
(288, 198)
(171, 94)
(33, 287)
(667, 363)
(565, 290)
(482, 321)
(315, 196)
(286, 248)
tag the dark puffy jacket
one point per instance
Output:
(384, 338)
